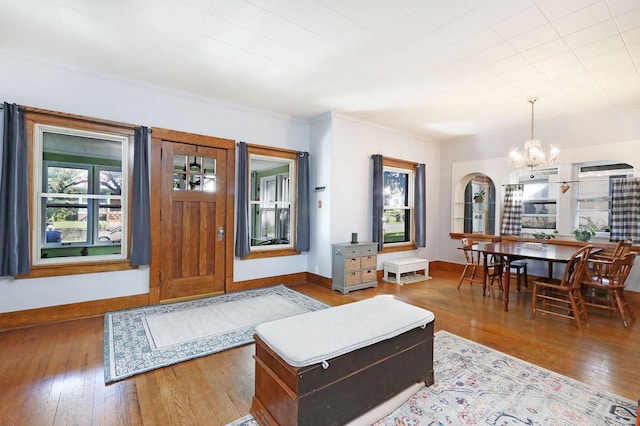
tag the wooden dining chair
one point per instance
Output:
(473, 271)
(563, 297)
(597, 267)
(606, 291)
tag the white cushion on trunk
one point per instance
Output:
(319, 336)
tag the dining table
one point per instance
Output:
(517, 250)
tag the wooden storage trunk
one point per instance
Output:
(352, 384)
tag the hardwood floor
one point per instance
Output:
(53, 374)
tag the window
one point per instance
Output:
(539, 198)
(398, 181)
(80, 212)
(79, 188)
(594, 193)
(271, 199)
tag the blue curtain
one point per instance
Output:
(243, 244)
(303, 221)
(378, 187)
(420, 200)
(141, 205)
(14, 194)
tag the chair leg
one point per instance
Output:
(574, 310)
(464, 274)
(622, 303)
(581, 304)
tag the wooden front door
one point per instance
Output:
(193, 220)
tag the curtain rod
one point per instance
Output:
(570, 181)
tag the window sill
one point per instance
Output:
(41, 271)
(400, 247)
(261, 254)
(475, 237)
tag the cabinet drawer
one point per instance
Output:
(369, 275)
(370, 250)
(368, 262)
(353, 278)
(352, 264)
(351, 251)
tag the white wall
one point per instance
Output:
(320, 170)
(611, 136)
(353, 144)
(41, 84)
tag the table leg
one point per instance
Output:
(507, 282)
(550, 269)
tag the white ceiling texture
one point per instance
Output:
(439, 69)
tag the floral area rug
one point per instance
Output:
(476, 385)
(143, 339)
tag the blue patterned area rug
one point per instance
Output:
(143, 339)
(476, 385)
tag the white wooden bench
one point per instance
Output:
(404, 266)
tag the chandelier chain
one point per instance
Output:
(532, 101)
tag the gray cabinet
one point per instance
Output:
(353, 266)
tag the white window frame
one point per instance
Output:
(38, 194)
(598, 175)
(552, 187)
(287, 201)
(410, 200)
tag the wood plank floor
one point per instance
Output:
(53, 374)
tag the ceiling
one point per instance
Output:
(439, 69)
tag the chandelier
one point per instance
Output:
(533, 155)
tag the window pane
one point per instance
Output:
(539, 208)
(598, 218)
(268, 190)
(267, 224)
(110, 225)
(70, 223)
(110, 182)
(209, 183)
(396, 189)
(538, 222)
(67, 180)
(594, 205)
(194, 182)
(594, 189)
(396, 225)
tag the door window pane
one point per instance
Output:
(194, 173)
